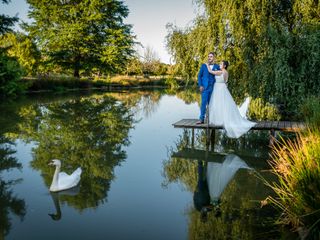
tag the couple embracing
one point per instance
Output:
(223, 111)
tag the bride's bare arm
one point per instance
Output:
(226, 76)
(216, 72)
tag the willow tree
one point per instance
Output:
(272, 46)
(82, 35)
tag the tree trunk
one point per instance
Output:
(76, 73)
(77, 68)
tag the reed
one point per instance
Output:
(297, 166)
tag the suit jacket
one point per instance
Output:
(206, 79)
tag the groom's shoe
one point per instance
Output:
(200, 122)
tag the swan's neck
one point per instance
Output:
(55, 179)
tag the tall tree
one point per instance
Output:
(82, 34)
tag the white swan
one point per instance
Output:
(61, 180)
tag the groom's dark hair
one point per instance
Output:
(212, 53)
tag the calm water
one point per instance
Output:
(142, 179)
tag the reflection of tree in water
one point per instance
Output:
(189, 96)
(241, 214)
(87, 132)
(149, 103)
(8, 202)
(146, 102)
(179, 170)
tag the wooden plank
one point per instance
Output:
(188, 122)
(274, 124)
(287, 125)
(292, 126)
(177, 123)
(281, 125)
(295, 126)
(183, 122)
(194, 121)
(302, 125)
(261, 125)
(268, 125)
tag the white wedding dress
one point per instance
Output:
(223, 111)
(220, 174)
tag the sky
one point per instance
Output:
(148, 17)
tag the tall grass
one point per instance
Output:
(297, 165)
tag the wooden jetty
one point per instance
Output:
(261, 125)
(272, 126)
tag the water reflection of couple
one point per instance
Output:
(213, 177)
(223, 111)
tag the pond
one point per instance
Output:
(141, 178)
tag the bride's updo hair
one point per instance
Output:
(225, 63)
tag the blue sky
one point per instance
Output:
(148, 17)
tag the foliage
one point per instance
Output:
(172, 83)
(310, 111)
(179, 44)
(260, 110)
(149, 64)
(10, 71)
(297, 166)
(10, 75)
(272, 46)
(23, 49)
(134, 67)
(82, 35)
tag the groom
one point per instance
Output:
(206, 81)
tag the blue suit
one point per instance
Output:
(206, 80)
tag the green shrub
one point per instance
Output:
(310, 111)
(260, 110)
(10, 75)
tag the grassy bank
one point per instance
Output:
(63, 83)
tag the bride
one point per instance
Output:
(223, 111)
